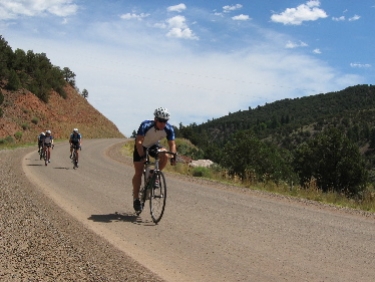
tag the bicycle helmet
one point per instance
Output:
(48, 131)
(43, 133)
(75, 130)
(162, 113)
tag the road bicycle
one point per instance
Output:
(74, 157)
(154, 186)
(44, 154)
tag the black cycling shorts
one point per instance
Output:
(47, 145)
(152, 151)
(75, 146)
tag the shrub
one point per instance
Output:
(9, 139)
(201, 172)
(25, 126)
(13, 81)
(18, 135)
(35, 120)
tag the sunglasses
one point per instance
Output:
(162, 120)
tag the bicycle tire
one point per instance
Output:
(158, 197)
(45, 156)
(74, 159)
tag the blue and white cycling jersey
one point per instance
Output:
(75, 138)
(152, 135)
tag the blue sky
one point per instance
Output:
(199, 59)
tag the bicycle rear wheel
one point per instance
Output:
(158, 197)
(75, 159)
(45, 155)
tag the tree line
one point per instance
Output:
(34, 72)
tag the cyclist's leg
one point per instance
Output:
(49, 153)
(137, 178)
(163, 159)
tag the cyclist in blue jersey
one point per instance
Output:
(40, 141)
(149, 133)
(75, 142)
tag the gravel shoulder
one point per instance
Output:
(41, 242)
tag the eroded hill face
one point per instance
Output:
(24, 114)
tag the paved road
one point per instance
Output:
(209, 232)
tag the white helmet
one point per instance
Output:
(75, 130)
(162, 113)
(48, 131)
(43, 133)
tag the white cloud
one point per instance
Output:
(130, 16)
(160, 25)
(304, 12)
(11, 9)
(317, 51)
(227, 9)
(354, 18)
(179, 28)
(291, 45)
(357, 65)
(241, 18)
(177, 8)
(342, 18)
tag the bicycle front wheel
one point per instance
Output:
(158, 197)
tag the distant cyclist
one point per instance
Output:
(40, 141)
(47, 144)
(75, 142)
(149, 133)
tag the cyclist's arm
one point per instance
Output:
(172, 148)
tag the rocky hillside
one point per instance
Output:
(24, 116)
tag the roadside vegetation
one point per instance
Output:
(289, 186)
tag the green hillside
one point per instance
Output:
(276, 137)
(289, 122)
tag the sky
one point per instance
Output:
(199, 59)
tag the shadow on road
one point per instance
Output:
(113, 217)
(35, 164)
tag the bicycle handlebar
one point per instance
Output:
(170, 155)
